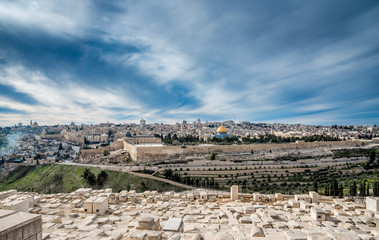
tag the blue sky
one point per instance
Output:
(310, 62)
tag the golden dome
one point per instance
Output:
(221, 129)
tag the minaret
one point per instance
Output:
(31, 123)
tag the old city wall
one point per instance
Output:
(52, 136)
(116, 145)
(112, 147)
(87, 152)
(132, 149)
(158, 153)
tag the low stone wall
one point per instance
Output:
(159, 153)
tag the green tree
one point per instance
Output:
(334, 188)
(372, 157)
(103, 174)
(362, 188)
(106, 152)
(213, 156)
(86, 173)
(353, 188)
(366, 165)
(38, 156)
(167, 139)
(89, 177)
(376, 189)
(315, 186)
(340, 191)
(101, 178)
(368, 189)
(168, 173)
(327, 193)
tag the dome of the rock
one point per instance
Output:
(221, 129)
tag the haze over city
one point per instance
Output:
(313, 62)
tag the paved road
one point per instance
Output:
(111, 167)
(129, 170)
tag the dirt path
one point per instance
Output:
(142, 175)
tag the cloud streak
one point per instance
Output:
(124, 60)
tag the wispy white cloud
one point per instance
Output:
(242, 59)
(63, 102)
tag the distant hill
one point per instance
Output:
(62, 178)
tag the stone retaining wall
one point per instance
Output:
(159, 153)
(112, 147)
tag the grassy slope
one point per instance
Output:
(60, 178)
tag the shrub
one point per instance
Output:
(106, 152)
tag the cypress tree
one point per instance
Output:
(376, 189)
(368, 189)
(315, 186)
(353, 188)
(334, 188)
(362, 189)
(340, 191)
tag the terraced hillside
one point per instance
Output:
(270, 176)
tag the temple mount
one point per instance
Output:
(221, 133)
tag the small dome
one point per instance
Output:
(221, 129)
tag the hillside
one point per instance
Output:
(61, 178)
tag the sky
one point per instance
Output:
(309, 62)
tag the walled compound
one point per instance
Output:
(197, 214)
(147, 152)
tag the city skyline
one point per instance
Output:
(194, 122)
(92, 62)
